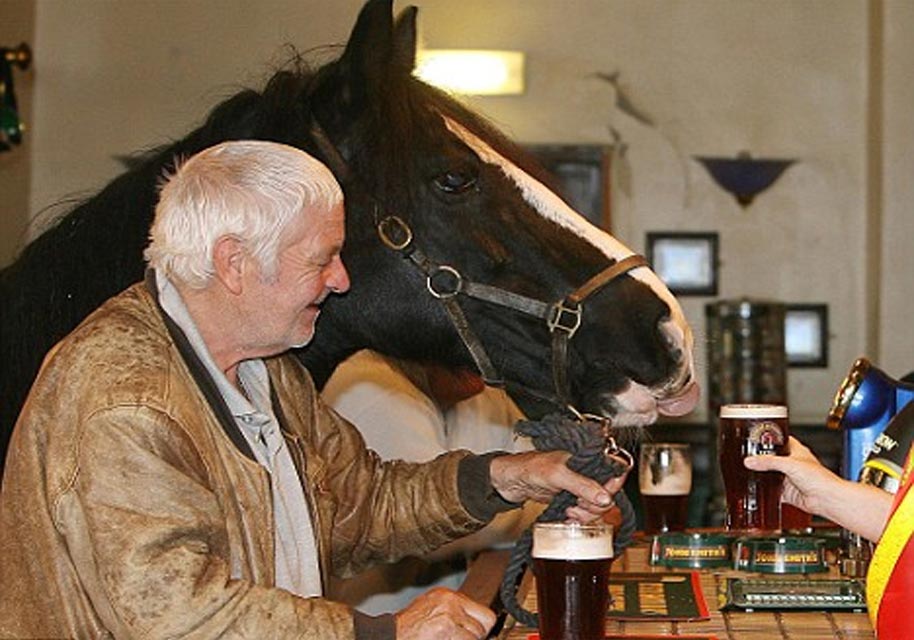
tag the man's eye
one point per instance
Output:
(455, 182)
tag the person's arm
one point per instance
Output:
(861, 508)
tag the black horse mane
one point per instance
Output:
(94, 250)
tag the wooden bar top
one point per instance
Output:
(757, 625)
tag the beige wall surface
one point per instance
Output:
(778, 78)
(896, 313)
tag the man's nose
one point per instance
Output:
(338, 282)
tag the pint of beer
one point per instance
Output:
(571, 564)
(753, 497)
(665, 480)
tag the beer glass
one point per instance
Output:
(753, 497)
(665, 480)
(571, 564)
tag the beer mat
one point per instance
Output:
(677, 550)
(784, 594)
(785, 554)
(657, 596)
(643, 636)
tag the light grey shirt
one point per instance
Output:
(297, 568)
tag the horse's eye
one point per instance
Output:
(455, 181)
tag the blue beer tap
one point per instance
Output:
(865, 403)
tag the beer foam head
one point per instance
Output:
(745, 411)
(570, 541)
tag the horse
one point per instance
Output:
(458, 252)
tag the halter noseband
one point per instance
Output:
(445, 282)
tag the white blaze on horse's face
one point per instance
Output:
(637, 404)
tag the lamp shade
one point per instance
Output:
(744, 176)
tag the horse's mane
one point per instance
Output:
(94, 250)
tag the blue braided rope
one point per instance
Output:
(586, 442)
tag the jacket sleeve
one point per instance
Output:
(148, 540)
(380, 511)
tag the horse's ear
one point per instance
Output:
(370, 45)
(404, 44)
(378, 55)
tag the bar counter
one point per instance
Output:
(729, 625)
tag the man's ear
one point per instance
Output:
(229, 262)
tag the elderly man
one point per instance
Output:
(170, 475)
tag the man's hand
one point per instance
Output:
(441, 613)
(541, 475)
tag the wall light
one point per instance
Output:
(744, 177)
(472, 71)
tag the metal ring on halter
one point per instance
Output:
(451, 271)
(393, 224)
(617, 453)
(612, 448)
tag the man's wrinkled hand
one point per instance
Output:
(540, 476)
(441, 613)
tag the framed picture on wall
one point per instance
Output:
(686, 261)
(806, 335)
(581, 176)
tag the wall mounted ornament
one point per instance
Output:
(10, 124)
(743, 176)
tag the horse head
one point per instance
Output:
(463, 256)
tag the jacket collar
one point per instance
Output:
(201, 376)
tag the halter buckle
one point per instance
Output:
(393, 227)
(558, 314)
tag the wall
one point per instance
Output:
(895, 331)
(777, 78)
(17, 24)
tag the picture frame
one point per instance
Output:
(806, 335)
(687, 262)
(581, 176)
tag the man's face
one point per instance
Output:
(284, 309)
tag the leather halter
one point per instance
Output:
(446, 283)
(563, 317)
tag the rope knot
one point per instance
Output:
(595, 454)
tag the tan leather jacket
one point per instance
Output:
(126, 507)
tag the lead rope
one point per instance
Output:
(595, 454)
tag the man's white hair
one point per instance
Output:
(249, 189)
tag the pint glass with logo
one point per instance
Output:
(571, 564)
(753, 497)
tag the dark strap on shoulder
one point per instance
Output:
(201, 376)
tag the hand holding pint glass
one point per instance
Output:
(571, 563)
(665, 481)
(753, 497)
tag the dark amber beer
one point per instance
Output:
(665, 480)
(753, 497)
(571, 564)
(665, 513)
